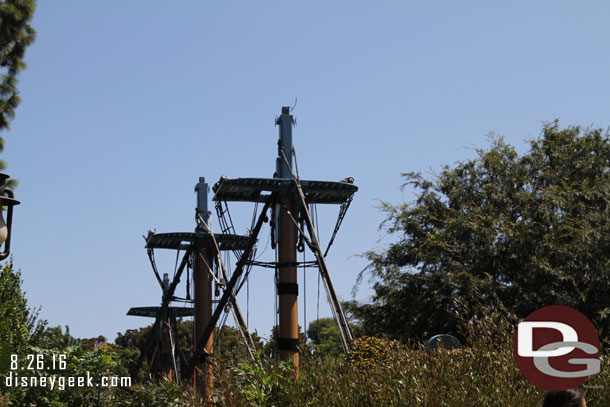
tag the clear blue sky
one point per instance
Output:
(126, 103)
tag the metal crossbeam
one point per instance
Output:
(151, 312)
(184, 240)
(251, 189)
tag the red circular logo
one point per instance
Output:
(556, 348)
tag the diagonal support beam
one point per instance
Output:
(228, 292)
(167, 297)
(345, 331)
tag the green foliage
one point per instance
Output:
(15, 35)
(378, 372)
(91, 343)
(19, 325)
(270, 347)
(256, 383)
(373, 353)
(56, 338)
(324, 336)
(229, 347)
(132, 342)
(527, 231)
(156, 395)
(79, 363)
(381, 372)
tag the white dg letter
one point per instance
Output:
(525, 338)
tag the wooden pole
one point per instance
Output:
(202, 281)
(166, 345)
(228, 292)
(203, 315)
(287, 287)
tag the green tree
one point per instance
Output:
(15, 35)
(324, 337)
(19, 325)
(270, 348)
(524, 231)
(56, 338)
(229, 347)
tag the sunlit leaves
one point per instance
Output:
(528, 230)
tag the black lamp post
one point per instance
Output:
(6, 199)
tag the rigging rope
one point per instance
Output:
(342, 212)
(188, 283)
(233, 306)
(176, 265)
(315, 215)
(318, 305)
(272, 264)
(275, 278)
(217, 340)
(226, 223)
(172, 346)
(210, 269)
(190, 264)
(153, 263)
(304, 295)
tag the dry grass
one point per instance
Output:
(380, 372)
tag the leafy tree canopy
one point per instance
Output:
(19, 325)
(15, 35)
(324, 337)
(270, 348)
(522, 230)
(57, 338)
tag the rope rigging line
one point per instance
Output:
(275, 281)
(244, 278)
(272, 264)
(210, 269)
(296, 163)
(191, 264)
(253, 222)
(188, 283)
(318, 305)
(304, 295)
(219, 262)
(217, 341)
(226, 223)
(273, 225)
(172, 347)
(152, 362)
(176, 265)
(226, 226)
(315, 214)
(342, 211)
(228, 264)
(153, 263)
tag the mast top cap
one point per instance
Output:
(285, 109)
